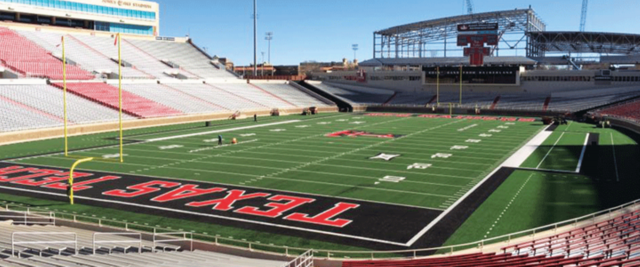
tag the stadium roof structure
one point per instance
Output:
(582, 42)
(420, 38)
(445, 61)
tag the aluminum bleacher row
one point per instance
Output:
(132, 104)
(588, 99)
(142, 60)
(561, 101)
(614, 242)
(162, 78)
(30, 60)
(30, 106)
(49, 245)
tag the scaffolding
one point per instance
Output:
(437, 38)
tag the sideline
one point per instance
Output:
(221, 131)
(516, 157)
(584, 148)
(549, 152)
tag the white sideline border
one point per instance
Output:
(221, 131)
(551, 149)
(584, 148)
(517, 158)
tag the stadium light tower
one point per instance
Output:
(262, 68)
(355, 48)
(583, 14)
(268, 37)
(255, 37)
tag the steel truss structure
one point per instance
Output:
(429, 38)
(541, 43)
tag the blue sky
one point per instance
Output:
(324, 30)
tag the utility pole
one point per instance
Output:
(262, 68)
(255, 37)
(268, 37)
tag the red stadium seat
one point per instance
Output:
(614, 242)
(28, 59)
(132, 104)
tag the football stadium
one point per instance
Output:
(480, 139)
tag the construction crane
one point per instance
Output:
(469, 6)
(583, 17)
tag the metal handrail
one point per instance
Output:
(26, 215)
(14, 242)
(184, 238)
(251, 246)
(139, 241)
(303, 260)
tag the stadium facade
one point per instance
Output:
(115, 16)
(431, 57)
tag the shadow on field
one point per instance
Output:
(613, 179)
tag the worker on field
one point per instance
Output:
(255, 117)
(219, 139)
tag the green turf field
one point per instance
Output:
(292, 158)
(293, 153)
(529, 199)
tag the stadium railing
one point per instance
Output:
(170, 237)
(304, 260)
(38, 238)
(116, 241)
(30, 217)
(481, 245)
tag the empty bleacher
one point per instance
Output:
(96, 59)
(132, 104)
(355, 94)
(140, 60)
(630, 110)
(185, 56)
(290, 94)
(216, 96)
(588, 99)
(30, 60)
(612, 242)
(48, 99)
(254, 93)
(521, 101)
(173, 98)
(49, 245)
(15, 117)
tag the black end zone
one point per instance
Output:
(454, 219)
(366, 224)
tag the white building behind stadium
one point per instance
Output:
(114, 16)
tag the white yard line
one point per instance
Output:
(549, 152)
(532, 142)
(568, 126)
(221, 130)
(508, 205)
(584, 148)
(615, 162)
(245, 186)
(548, 170)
